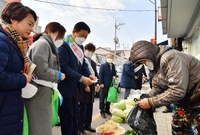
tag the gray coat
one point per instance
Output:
(176, 74)
(43, 54)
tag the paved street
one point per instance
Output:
(163, 120)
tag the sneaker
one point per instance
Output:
(167, 110)
(103, 115)
(90, 129)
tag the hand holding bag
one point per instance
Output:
(142, 120)
(112, 93)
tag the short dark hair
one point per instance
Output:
(16, 11)
(90, 47)
(52, 27)
(81, 26)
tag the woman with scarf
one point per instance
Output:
(16, 24)
(44, 55)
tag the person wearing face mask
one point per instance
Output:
(86, 94)
(176, 80)
(16, 23)
(44, 55)
(107, 72)
(139, 72)
(74, 66)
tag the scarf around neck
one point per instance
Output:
(21, 43)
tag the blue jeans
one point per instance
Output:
(127, 92)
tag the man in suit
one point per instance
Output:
(86, 94)
(73, 65)
(107, 72)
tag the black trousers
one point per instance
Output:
(69, 116)
(104, 106)
(85, 115)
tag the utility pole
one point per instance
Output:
(155, 22)
(116, 39)
(155, 38)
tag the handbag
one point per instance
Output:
(112, 93)
(142, 120)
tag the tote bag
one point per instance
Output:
(112, 93)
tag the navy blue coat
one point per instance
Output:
(88, 97)
(106, 75)
(72, 70)
(127, 78)
(12, 81)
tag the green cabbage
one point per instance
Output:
(119, 106)
(119, 113)
(117, 119)
(130, 102)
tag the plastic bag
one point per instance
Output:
(112, 94)
(25, 123)
(55, 105)
(142, 120)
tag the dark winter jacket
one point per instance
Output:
(88, 97)
(141, 71)
(127, 79)
(106, 74)
(12, 81)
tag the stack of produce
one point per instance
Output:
(121, 109)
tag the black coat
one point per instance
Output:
(88, 97)
(128, 75)
(139, 73)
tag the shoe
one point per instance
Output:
(81, 133)
(167, 110)
(90, 129)
(58, 124)
(103, 115)
(108, 112)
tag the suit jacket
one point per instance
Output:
(106, 74)
(72, 69)
(88, 97)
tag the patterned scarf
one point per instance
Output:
(21, 43)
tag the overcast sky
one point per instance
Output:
(137, 17)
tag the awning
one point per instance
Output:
(163, 43)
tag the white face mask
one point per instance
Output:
(58, 43)
(109, 60)
(88, 54)
(79, 40)
(149, 65)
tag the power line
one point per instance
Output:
(93, 8)
(76, 19)
(116, 17)
(126, 29)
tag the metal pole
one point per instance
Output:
(155, 23)
(115, 36)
